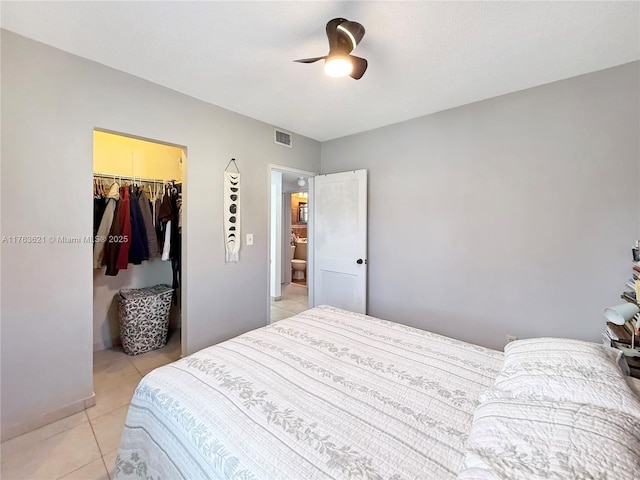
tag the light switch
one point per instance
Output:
(249, 238)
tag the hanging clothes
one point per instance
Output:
(147, 216)
(166, 217)
(176, 244)
(125, 228)
(175, 233)
(180, 214)
(167, 242)
(139, 248)
(100, 237)
(158, 223)
(99, 205)
(112, 247)
(135, 227)
(165, 212)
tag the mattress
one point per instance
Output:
(326, 394)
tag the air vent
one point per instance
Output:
(282, 138)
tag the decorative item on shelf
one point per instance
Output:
(620, 315)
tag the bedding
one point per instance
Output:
(324, 394)
(560, 409)
(332, 394)
(521, 438)
(571, 370)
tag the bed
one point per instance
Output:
(332, 394)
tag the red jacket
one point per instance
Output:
(125, 229)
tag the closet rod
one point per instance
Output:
(132, 178)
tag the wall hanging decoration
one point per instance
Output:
(232, 212)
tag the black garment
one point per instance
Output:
(175, 251)
(159, 226)
(99, 206)
(139, 247)
(175, 247)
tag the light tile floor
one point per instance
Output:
(294, 300)
(84, 446)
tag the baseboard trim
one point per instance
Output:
(47, 418)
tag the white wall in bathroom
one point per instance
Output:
(276, 234)
(286, 238)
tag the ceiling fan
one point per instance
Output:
(343, 37)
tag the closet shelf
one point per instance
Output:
(111, 176)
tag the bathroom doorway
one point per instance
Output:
(291, 225)
(299, 208)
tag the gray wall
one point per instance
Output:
(514, 215)
(51, 102)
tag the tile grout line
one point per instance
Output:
(102, 455)
(94, 435)
(140, 374)
(104, 462)
(97, 444)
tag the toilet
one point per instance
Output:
(299, 260)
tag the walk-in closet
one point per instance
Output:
(137, 228)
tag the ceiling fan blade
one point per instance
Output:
(310, 60)
(359, 67)
(332, 31)
(355, 29)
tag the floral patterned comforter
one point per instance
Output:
(326, 394)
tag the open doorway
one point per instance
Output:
(291, 227)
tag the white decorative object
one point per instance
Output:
(232, 215)
(621, 314)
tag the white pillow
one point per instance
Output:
(523, 438)
(566, 369)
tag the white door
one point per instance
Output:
(340, 240)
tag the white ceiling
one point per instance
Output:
(423, 57)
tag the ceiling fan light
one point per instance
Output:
(338, 66)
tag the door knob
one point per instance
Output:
(359, 261)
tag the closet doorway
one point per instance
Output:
(138, 186)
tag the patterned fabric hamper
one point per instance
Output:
(144, 318)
